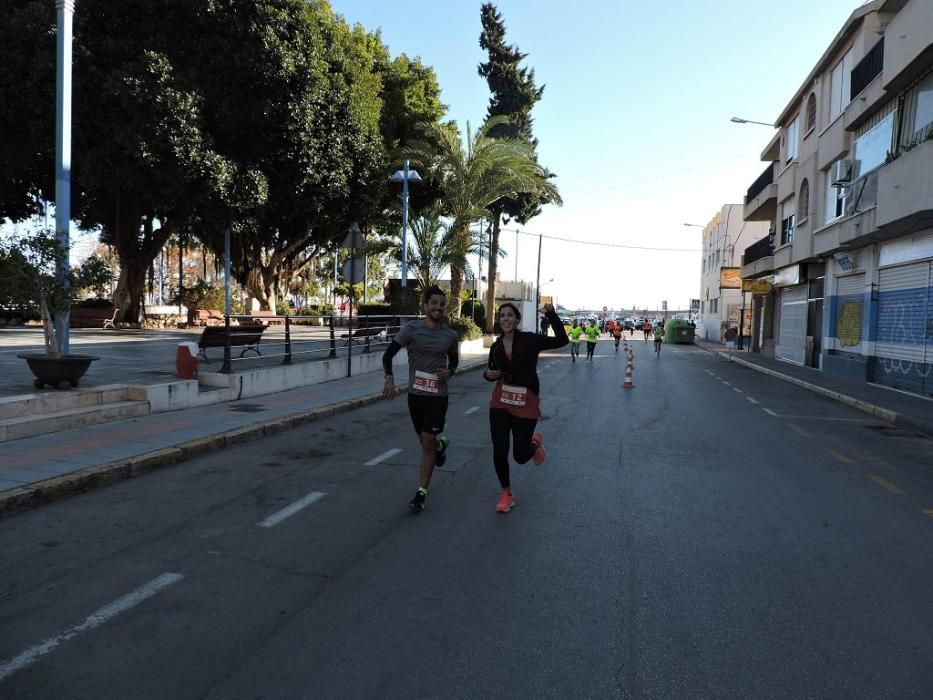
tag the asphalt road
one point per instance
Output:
(711, 533)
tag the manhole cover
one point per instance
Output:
(248, 408)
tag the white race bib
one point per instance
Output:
(427, 382)
(514, 395)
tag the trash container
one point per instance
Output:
(186, 361)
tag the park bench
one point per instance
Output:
(246, 337)
(377, 333)
(83, 317)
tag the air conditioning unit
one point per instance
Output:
(842, 173)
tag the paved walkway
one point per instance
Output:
(901, 409)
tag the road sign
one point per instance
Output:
(354, 238)
(354, 270)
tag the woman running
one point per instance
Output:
(514, 406)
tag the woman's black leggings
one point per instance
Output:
(501, 424)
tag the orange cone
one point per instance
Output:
(628, 378)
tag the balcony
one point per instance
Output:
(761, 198)
(757, 258)
(905, 191)
(867, 69)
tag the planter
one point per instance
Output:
(62, 372)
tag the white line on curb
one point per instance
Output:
(754, 401)
(770, 412)
(289, 510)
(471, 410)
(383, 457)
(102, 615)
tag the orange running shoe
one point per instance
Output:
(540, 453)
(506, 502)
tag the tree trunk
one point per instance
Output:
(131, 287)
(456, 290)
(493, 268)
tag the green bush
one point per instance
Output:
(474, 310)
(201, 296)
(283, 308)
(465, 328)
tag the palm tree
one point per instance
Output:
(427, 247)
(474, 175)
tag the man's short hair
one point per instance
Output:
(431, 291)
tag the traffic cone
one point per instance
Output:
(628, 378)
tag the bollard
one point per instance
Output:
(186, 361)
(226, 366)
(333, 342)
(288, 342)
(628, 378)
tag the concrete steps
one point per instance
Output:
(49, 412)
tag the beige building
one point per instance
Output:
(725, 237)
(848, 197)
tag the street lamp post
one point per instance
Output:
(739, 120)
(404, 176)
(65, 13)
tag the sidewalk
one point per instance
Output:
(49, 467)
(899, 408)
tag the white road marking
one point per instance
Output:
(754, 401)
(770, 412)
(289, 510)
(471, 410)
(102, 615)
(383, 457)
(727, 383)
(735, 388)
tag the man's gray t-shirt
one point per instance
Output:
(428, 351)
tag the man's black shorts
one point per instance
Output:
(428, 413)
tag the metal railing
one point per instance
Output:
(867, 69)
(765, 179)
(301, 337)
(758, 250)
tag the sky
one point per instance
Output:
(635, 122)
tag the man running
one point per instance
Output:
(592, 337)
(432, 359)
(575, 334)
(658, 338)
(647, 329)
(617, 334)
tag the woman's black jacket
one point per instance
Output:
(522, 369)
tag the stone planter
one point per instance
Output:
(62, 372)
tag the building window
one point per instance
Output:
(835, 198)
(793, 137)
(788, 217)
(803, 208)
(918, 112)
(839, 85)
(811, 112)
(873, 141)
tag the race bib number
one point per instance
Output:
(427, 382)
(514, 395)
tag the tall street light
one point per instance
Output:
(739, 120)
(405, 175)
(65, 12)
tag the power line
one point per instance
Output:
(603, 243)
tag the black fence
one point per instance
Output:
(765, 179)
(758, 250)
(867, 69)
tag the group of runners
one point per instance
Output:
(590, 333)
(514, 407)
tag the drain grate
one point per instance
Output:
(248, 408)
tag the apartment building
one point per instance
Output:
(722, 302)
(843, 279)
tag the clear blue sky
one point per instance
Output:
(634, 119)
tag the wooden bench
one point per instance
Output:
(209, 317)
(367, 333)
(246, 337)
(84, 317)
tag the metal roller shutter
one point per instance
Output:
(903, 314)
(792, 340)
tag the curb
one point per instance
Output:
(61, 487)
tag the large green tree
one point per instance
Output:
(472, 175)
(514, 94)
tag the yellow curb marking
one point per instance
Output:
(885, 484)
(797, 429)
(841, 457)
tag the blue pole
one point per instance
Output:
(65, 11)
(405, 225)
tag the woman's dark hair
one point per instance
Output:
(431, 291)
(518, 314)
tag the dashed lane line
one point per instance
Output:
(770, 412)
(97, 618)
(471, 410)
(754, 401)
(800, 431)
(842, 457)
(383, 457)
(736, 389)
(885, 484)
(289, 510)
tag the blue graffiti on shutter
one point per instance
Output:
(904, 322)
